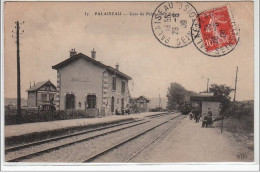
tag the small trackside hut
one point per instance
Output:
(41, 95)
(83, 83)
(142, 104)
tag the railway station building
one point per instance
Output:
(83, 83)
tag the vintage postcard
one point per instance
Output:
(129, 85)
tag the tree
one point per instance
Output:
(177, 95)
(222, 92)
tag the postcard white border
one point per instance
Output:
(155, 167)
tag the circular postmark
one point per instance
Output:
(215, 32)
(171, 23)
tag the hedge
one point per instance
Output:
(31, 116)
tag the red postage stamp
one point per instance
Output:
(216, 29)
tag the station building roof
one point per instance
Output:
(92, 60)
(38, 85)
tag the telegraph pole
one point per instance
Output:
(160, 102)
(234, 100)
(222, 122)
(208, 85)
(18, 69)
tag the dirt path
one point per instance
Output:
(189, 142)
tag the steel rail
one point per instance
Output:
(138, 152)
(28, 156)
(159, 115)
(10, 149)
(95, 156)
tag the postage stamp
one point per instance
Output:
(215, 32)
(171, 23)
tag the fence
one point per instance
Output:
(36, 115)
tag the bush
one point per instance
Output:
(242, 110)
(35, 115)
(242, 120)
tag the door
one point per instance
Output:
(112, 104)
(122, 104)
(70, 101)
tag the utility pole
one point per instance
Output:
(160, 102)
(234, 100)
(18, 68)
(208, 85)
(222, 123)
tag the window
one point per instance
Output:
(51, 98)
(114, 84)
(91, 100)
(123, 87)
(70, 101)
(44, 97)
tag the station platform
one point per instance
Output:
(189, 142)
(31, 130)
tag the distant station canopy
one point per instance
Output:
(206, 101)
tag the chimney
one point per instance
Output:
(72, 52)
(33, 83)
(30, 85)
(93, 54)
(117, 66)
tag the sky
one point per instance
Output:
(52, 29)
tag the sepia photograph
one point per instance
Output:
(132, 83)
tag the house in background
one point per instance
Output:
(206, 101)
(42, 95)
(140, 104)
(83, 83)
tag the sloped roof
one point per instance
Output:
(204, 98)
(144, 98)
(207, 94)
(87, 58)
(39, 85)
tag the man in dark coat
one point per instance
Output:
(197, 115)
(209, 117)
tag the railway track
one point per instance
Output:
(102, 153)
(158, 115)
(126, 125)
(17, 148)
(150, 143)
